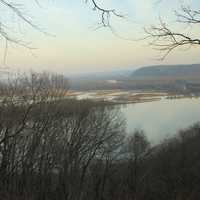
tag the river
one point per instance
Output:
(162, 119)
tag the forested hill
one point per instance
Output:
(161, 77)
(167, 71)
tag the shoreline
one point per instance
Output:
(127, 96)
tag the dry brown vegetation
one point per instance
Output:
(55, 148)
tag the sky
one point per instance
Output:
(73, 45)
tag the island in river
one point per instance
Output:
(126, 96)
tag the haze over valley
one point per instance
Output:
(167, 79)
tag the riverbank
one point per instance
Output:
(126, 97)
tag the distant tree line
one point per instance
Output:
(55, 148)
(168, 85)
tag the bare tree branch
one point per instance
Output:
(105, 14)
(165, 39)
(16, 9)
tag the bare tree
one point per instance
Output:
(138, 147)
(48, 143)
(166, 39)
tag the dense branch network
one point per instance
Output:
(165, 39)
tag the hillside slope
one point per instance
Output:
(167, 71)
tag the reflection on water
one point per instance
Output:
(161, 119)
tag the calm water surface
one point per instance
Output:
(161, 119)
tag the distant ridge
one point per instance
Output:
(167, 71)
(108, 75)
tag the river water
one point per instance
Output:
(162, 119)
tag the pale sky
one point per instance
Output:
(74, 46)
